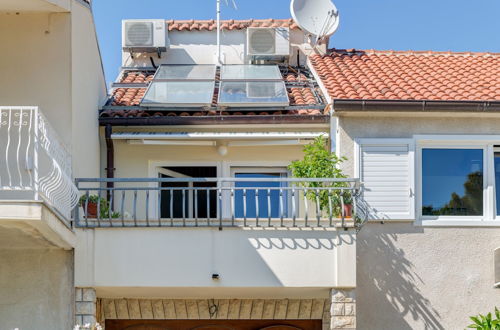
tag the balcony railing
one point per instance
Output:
(218, 202)
(35, 164)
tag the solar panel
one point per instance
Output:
(255, 93)
(179, 94)
(250, 72)
(185, 72)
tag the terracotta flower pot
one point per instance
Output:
(348, 210)
(91, 209)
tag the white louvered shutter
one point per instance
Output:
(386, 167)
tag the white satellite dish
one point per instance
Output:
(317, 17)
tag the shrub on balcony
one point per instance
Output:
(319, 162)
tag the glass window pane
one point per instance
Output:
(452, 182)
(262, 200)
(179, 93)
(257, 93)
(497, 180)
(250, 72)
(186, 72)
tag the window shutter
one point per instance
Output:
(386, 168)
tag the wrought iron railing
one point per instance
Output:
(218, 202)
(35, 163)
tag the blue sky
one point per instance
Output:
(456, 25)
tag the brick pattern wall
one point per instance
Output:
(85, 306)
(343, 309)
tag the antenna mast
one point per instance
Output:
(218, 34)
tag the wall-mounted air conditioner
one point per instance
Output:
(268, 42)
(145, 35)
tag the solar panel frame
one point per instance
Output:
(164, 76)
(273, 72)
(180, 90)
(241, 98)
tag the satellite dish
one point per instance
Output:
(317, 17)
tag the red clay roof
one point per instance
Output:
(209, 25)
(409, 75)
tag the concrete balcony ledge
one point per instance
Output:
(33, 224)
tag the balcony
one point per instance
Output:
(219, 202)
(36, 188)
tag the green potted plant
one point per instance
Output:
(91, 209)
(318, 162)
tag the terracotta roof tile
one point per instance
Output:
(409, 75)
(209, 25)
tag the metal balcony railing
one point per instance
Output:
(35, 163)
(218, 202)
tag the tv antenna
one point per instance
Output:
(219, 60)
(318, 18)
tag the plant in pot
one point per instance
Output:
(91, 208)
(318, 162)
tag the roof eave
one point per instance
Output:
(358, 105)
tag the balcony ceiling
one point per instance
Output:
(35, 5)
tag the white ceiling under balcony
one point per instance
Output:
(35, 5)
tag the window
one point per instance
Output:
(452, 182)
(260, 197)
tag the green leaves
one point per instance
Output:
(319, 162)
(486, 322)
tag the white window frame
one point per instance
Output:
(484, 142)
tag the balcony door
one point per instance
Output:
(262, 196)
(188, 199)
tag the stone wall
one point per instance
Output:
(336, 313)
(85, 306)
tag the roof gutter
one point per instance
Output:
(354, 105)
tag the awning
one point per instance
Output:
(213, 138)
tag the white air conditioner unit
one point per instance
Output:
(144, 35)
(268, 42)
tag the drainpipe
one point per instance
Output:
(110, 158)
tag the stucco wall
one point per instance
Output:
(88, 92)
(412, 277)
(36, 289)
(36, 65)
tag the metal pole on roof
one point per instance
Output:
(218, 33)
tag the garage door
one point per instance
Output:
(213, 325)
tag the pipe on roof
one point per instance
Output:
(354, 105)
(110, 158)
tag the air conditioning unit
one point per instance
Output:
(268, 42)
(145, 35)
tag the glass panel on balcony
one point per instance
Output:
(179, 93)
(250, 72)
(452, 182)
(257, 93)
(185, 72)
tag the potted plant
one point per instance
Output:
(91, 207)
(318, 162)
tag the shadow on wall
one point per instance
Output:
(388, 285)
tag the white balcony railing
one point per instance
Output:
(35, 164)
